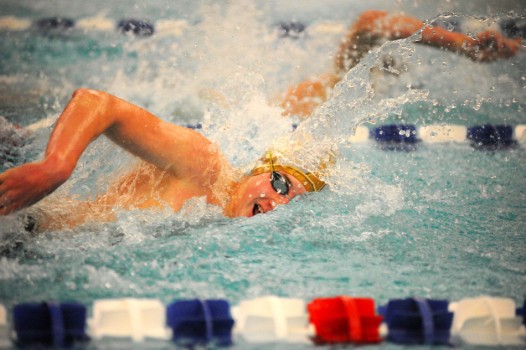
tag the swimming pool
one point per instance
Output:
(440, 221)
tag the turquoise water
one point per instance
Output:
(442, 221)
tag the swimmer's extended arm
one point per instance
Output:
(181, 151)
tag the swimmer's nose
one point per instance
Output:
(270, 204)
(281, 200)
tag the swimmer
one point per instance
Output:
(177, 164)
(376, 27)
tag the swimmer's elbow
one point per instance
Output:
(88, 94)
(90, 100)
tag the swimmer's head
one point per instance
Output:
(268, 185)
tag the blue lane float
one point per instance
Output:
(293, 30)
(418, 321)
(49, 324)
(54, 24)
(138, 27)
(395, 133)
(401, 137)
(491, 136)
(197, 321)
(196, 126)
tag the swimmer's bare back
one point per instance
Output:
(164, 146)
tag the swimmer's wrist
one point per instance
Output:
(57, 168)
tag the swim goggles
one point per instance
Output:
(279, 183)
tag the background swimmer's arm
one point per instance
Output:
(485, 47)
(181, 151)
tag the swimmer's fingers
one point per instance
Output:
(492, 45)
(16, 198)
(25, 185)
(7, 201)
(8, 205)
(11, 195)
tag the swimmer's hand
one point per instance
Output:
(491, 45)
(487, 46)
(25, 185)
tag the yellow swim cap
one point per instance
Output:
(310, 181)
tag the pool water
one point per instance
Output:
(439, 221)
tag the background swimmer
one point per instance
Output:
(371, 29)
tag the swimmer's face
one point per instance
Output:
(255, 195)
